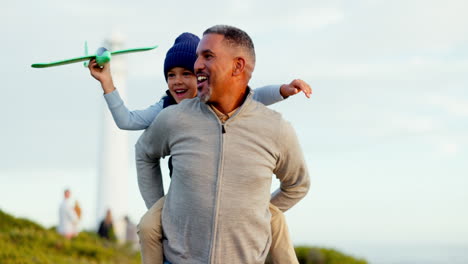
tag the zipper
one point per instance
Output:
(218, 186)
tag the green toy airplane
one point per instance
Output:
(102, 57)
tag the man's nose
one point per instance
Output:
(198, 65)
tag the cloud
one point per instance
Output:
(448, 148)
(308, 19)
(399, 125)
(406, 68)
(294, 16)
(453, 105)
(419, 25)
(413, 124)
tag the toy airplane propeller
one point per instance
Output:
(102, 57)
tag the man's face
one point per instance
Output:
(213, 67)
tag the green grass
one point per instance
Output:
(23, 241)
(315, 255)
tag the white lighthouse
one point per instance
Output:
(113, 153)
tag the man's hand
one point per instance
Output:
(102, 74)
(295, 87)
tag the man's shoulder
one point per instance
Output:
(184, 108)
(269, 118)
(263, 111)
(189, 103)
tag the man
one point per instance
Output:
(68, 218)
(225, 148)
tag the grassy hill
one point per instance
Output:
(25, 242)
(315, 255)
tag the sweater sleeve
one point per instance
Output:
(152, 145)
(131, 120)
(268, 95)
(290, 169)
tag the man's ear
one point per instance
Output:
(238, 66)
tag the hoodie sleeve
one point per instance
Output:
(268, 95)
(131, 120)
(152, 145)
(291, 170)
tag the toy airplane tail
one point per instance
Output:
(86, 63)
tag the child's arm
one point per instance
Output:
(271, 94)
(123, 118)
(131, 120)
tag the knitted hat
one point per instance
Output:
(182, 54)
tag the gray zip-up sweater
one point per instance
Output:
(216, 208)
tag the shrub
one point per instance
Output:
(315, 255)
(25, 242)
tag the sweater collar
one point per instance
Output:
(245, 105)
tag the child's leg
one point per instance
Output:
(150, 234)
(282, 249)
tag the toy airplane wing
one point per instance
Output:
(102, 56)
(63, 62)
(132, 50)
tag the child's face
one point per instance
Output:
(182, 83)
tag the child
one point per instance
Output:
(182, 84)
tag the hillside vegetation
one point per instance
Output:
(25, 242)
(315, 255)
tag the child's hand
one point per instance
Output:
(295, 87)
(102, 74)
(99, 73)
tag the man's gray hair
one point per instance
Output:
(234, 37)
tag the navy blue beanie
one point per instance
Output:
(182, 53)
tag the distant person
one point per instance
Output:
(130, 232)
(68, 218)
(106, 229)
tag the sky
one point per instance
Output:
(384, 134)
